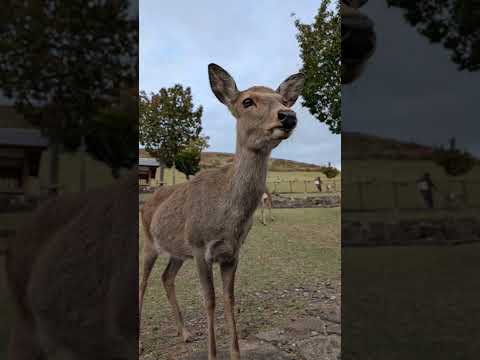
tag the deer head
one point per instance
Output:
(264, 116)
(358, 39)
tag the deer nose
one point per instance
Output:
(288, 119)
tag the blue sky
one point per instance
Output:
(253, 40)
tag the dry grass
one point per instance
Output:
(300, 247)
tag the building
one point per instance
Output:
(147, 170)
(20, 154)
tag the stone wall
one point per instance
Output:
(446, 231)
(283, 201)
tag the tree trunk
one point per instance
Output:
(162, 174)
(83, 165)
(54, 165)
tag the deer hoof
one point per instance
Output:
(187, 336)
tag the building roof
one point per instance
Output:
(22, 137)
(148, 162)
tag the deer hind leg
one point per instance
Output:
(270, 212)
(263, 221)
(228, 270)
(168, 280)
(149, 258)
(205, 274)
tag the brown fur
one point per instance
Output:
(73, 274)
(209, 217)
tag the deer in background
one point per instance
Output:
(208, 218)
(266, 203)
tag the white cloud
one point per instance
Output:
(254, 40)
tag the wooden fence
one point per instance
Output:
(303, 186)
(384, 195)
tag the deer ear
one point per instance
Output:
(222, 84)
(291, 88)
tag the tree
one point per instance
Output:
(453, 23)
(168, 123)
(188, 159)
(62, 62)
(320, 51)
(330, 171)
(454, 161)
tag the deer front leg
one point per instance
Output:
(206, 281)
(270, 212)
(228, 270)
(168, 279)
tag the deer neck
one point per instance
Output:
(247, 185)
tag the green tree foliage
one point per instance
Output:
(188, 159)
(62, 62)
(112, 135)
(453, 23)
(320, 50)
(330, 171)
(454, 161)
(168, 122)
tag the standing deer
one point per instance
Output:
(266, 203)
(209, 217)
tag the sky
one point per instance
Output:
(411, 90)
(253, 40)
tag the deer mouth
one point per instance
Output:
(281, 133)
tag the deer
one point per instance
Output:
(208, 218)
(266, 203)
(72, 271)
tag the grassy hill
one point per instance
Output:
(217, 159)
(359, 146)
(279, 171)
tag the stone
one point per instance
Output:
(303, 328)
(333, 328)
(249, 351)
(271, 335)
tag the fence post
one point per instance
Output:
(395, 195)
(305, 182)
(291, 189)
(465, 194)
(274, 186)
(360, 194)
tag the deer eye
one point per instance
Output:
(247, 102)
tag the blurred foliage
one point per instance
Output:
(63, 63)
(453, 23)
(320, 51)
(454, 161)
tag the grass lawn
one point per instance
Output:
(437, 290)
(302, 246)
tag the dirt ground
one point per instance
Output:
(300, 323)
(288, 295)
